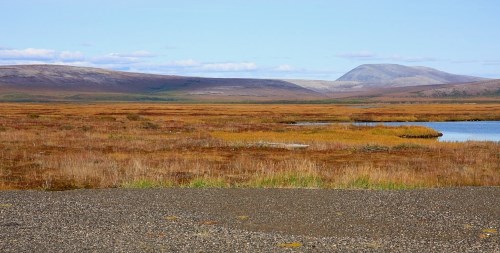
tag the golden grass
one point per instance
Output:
(66, 146)
(340, 133)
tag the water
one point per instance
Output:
(452, 131)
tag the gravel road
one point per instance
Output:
(251, 220)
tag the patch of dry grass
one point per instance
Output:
(71, 146)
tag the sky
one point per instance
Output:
(306, 39)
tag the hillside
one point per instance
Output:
(394, 75)
(488, 90)
(481, 88)
(56, 82)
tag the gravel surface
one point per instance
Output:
(251, 220)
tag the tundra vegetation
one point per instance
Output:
(68, 146)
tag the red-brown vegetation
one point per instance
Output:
(66, 146)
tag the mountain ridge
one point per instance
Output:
(70, 79)
(70, 83)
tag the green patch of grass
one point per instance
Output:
(292, 180)
(404, 146)
(146, 184)
(374, 148)
(208, 183)
(364, 182)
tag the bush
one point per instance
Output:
(150, 125)
(86, 128)
(374, 148)
(33, 116)
(404, 146)
(107, 118)
(67, 127)
(133, 116)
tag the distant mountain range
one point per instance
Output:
(370, 81)
(23, 82)
(369, 76)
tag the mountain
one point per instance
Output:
(57, 82)
(395, 75)
(369, 77)
(374, 82)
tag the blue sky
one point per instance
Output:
(310, 39)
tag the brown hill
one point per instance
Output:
(56, 82)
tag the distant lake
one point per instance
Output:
(452, 131)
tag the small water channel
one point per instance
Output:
(452, 131)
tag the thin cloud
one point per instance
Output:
(410, 59)
(49, 56)
(357, 55)
(87, 44)
(185, 63)
(136, 54)
(483, 62)
(144, 61)
(370, 56)
(491, 63)
(464, 61)
(67, 56)
(112, 59)
(229, 66)
(27, 54)
(285, 68)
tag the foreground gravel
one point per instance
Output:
(251, 220)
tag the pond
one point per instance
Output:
(452, 131)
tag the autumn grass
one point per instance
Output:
(345, 133)
(70, 146)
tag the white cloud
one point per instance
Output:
(113, 59)
(136, 54)
(370, 56)
(230, 66)
(185, 63)
(357, 55)
(142, 61)
(410, 59)
(27, 54)
(285, 68)
(67, 56)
